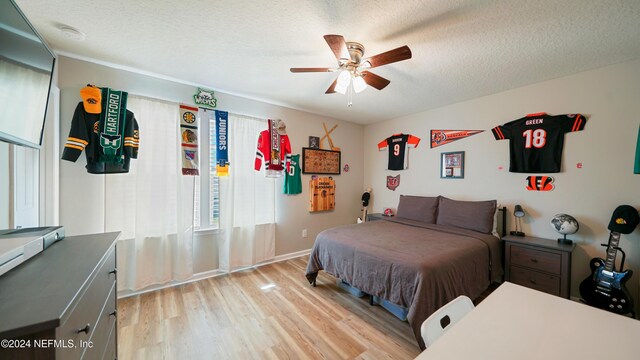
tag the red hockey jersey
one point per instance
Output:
(273, 153)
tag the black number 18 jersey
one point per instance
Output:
(536, 140)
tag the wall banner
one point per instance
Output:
(189, 139)
(442, 137)
(222, 143)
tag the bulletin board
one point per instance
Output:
(318, 161)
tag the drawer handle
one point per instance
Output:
(532, 281)
(113, 313)
(84, 329)
(534, 260)
(114, 271)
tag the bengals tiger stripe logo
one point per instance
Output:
(540, 183)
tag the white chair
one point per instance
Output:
(444, 318)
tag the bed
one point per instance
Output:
(434, 250)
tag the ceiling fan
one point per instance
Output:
(354, 70)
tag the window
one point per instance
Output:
(207, 187)
(251, 195)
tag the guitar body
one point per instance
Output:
(606, 289)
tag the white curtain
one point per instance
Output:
(152, 205)
(247, 199)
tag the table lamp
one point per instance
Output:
(518, 213)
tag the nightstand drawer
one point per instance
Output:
(535, 280)
(374, 217)
(536, 259)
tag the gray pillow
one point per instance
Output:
(419, 208)
(473, 215)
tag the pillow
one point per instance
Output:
(419, 208)
(473, 215)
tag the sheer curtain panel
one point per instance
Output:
(152, 205)
(247, 201)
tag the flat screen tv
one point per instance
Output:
(26, 68)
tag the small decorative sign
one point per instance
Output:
(540, 183)
(393, 182)
(322, 194)
(442, 137)
(346, 168)
(205, 98)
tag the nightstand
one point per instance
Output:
(538, 263)
(374, 217)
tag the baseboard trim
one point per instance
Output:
(285, 257)
(209, 274)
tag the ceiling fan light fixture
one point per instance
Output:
(344, 79)
(358, 84)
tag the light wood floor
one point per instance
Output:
(238, 316)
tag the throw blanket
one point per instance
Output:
(414, 265)
(112, 125)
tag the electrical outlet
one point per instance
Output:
(304, 233)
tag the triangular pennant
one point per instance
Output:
(441, 137)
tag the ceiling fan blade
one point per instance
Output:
(391, 56)
(299, 70)
(374, 80)
(332, 88)
(338, 46)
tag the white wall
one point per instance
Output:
(608, 96)
(81, 194)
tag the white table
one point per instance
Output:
(515, 322)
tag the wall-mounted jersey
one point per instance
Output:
(292, 179)
(84, 135)
(273, 151)
(636, 168)
(398, 145)
(536, 140)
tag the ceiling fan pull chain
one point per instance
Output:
(350, 95)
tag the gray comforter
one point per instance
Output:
(412, 264)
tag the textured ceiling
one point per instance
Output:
(461, 49)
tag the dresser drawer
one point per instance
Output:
(100, 335)
(87, 310)
(111, 352)
(536, 259)
(535, 280)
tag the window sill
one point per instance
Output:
(205, 232)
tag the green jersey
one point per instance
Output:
(292, 179)
(636, 169)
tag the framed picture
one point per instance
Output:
(314, 142)
(318, 161)
(452, 165)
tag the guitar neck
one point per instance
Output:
(614, 240)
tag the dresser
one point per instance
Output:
(537, 263)
(61, 304)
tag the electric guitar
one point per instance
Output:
(605, 288)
